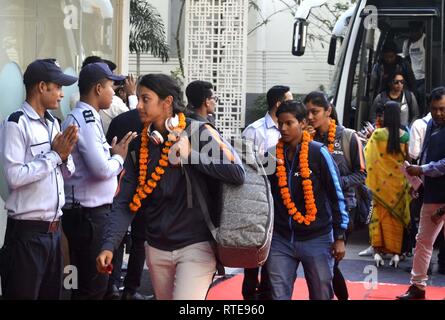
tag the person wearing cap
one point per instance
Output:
(118, 105)
(90, 190)
(35, 157)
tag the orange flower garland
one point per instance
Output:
(311, 209)
(331, 135)
(146, 187)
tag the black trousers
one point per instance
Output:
(253, 289)
(338, 281)
(31, 265)
(85, 229)
(441, 255)
(136, 262)
(136, 259)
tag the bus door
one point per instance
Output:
(393, 25)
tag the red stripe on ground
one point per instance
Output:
(230, 289)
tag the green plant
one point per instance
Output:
(147, 31)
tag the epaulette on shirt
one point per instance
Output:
(257, 124)
(88, 116)
(14, 117)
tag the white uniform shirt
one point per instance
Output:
(117, 107)
(416, 52)
(94, 183)
(264, 133)
(417, 136)
(33, 171)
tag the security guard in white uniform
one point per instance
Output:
(35, 156)
(90, 190)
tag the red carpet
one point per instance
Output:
(231, 290)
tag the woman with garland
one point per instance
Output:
(324, 128)
(385, 154)
(160, 173)
(310, 217)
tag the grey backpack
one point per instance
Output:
(246, 220)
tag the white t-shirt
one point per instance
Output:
(416, 51)
(417, 136)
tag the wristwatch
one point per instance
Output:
(340, 236)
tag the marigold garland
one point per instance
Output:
(331, 135)
(311, 209)
(146, 187)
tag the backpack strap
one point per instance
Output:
(202, 202)
(345, 145)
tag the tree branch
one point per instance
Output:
(178, 43)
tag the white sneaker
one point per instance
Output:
(395, 260)
(368, 252)
(378, 260)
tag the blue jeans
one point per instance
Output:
(315, 256)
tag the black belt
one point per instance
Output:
(34, 226)
(77, 209)
(74, 206)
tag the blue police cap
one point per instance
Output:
(47, 70)
(94, 72)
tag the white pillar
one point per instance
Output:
(123, 36)
(216, 51)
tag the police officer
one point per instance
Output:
(35, 155)
(89, 192)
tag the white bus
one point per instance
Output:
(360, 34)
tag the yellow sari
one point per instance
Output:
(390, 192)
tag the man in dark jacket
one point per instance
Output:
(432, 217)
(128, 121)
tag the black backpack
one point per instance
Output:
(361, 216)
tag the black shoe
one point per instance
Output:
(126, 295)
(413, 293)
(112, 293)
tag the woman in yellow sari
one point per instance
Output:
(385, 153)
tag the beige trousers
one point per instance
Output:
(184, 274)
(427, 234)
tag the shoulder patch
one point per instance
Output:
(257, 123)
(14, 117)
(88, 116)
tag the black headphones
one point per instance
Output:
(156, 137)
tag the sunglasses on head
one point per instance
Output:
(398, 81)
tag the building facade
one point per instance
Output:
(268, 58)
